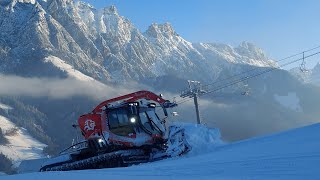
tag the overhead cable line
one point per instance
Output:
(258, 74)
(255, 75)
(255, 68)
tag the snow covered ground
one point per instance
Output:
(21, 145)
(293, 154)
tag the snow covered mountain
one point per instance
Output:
(105, 45)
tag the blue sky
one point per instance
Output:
(280, 27)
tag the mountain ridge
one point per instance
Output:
(105, 45)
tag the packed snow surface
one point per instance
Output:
(21, 145)
(293, 154)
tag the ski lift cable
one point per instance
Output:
(303, 65)
(249, 77)
(184, 101)
(189, 99)
(255, 75)
(258, 74)
(252, 76)
(255, 68)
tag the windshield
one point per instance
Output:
(151, 121)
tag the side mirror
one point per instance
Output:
(169, 104)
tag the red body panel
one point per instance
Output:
(130, 98)
(90, 124)
(95, 123)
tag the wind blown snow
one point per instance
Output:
(201, 138)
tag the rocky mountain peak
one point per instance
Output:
(250, 47)
(21, 1)
(251, 51)
(161, 29)
(63, 3)
(11, 4)
(111, 10)
(84, 5)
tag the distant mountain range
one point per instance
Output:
(54, 40)
(106, 46)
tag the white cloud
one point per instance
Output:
(58, 88)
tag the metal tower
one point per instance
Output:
(194, 91)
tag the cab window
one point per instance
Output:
(119, 123)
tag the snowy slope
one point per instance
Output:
(21, 145)
(71, 72)
(289, 155)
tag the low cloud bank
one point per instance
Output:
(56, 88)
(236, 120)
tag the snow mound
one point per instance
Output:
(201, 138)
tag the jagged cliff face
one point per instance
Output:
(104, 45)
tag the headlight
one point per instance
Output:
(132, 120)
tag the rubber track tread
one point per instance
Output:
(91, 162)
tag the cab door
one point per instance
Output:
(119, 123)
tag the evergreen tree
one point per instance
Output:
(3, 139)
(6, 165)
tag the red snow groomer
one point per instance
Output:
(123, 131)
